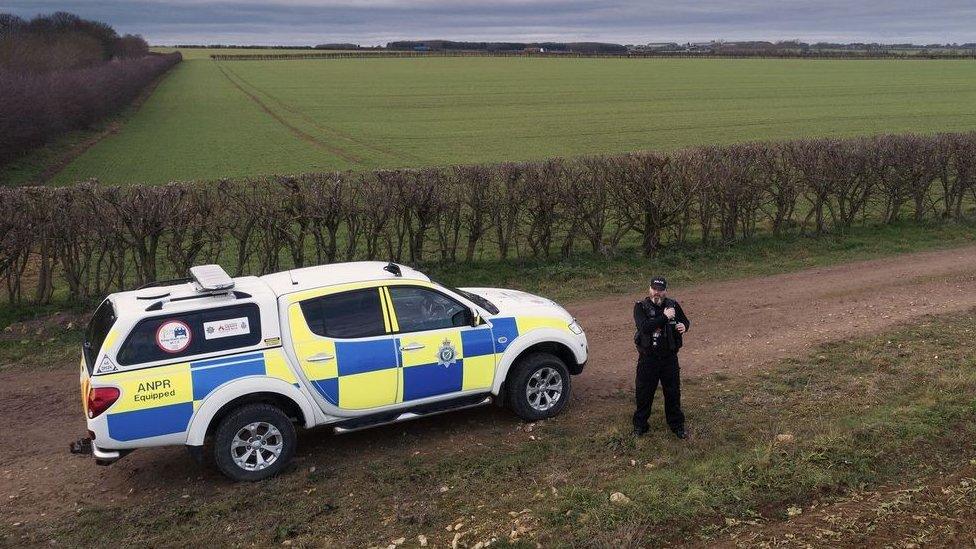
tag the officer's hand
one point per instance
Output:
(680, 327)
(669, 312)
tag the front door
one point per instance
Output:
(440, 352)
(344, 344)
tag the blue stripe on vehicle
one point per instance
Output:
(356, 357)
(226, 360)
(476, 342)
(432, 379)
(208, 379)
(329, 389)
(505, 330)
(151, 422)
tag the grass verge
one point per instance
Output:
(587, 276)
(898, 407)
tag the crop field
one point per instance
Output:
(208, 120)
(205, 53)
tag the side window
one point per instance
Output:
(420, 309)
(188, 334)
(347, 315)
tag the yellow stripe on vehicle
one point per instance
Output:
(528, 323)
(329, 290)
(109, 340)
(386, 310)
(393, 317)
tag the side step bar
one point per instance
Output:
(358, 424)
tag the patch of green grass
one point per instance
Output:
(587, 276)
(862, 413)
(195, 123)
(315, 115)
(41, 336)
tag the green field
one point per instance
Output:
(209, 120)
(205, 53)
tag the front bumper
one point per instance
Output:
(85, 446)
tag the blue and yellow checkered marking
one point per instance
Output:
(160, 401)
(362, 374)
(357, 357)
(368, 374)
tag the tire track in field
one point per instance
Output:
(304, 136)
(399, 155)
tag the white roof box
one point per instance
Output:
(211, 278)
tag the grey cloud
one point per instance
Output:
(296, 22)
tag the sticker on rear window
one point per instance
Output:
(173, 336)
(226, 328)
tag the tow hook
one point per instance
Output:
(81, 446)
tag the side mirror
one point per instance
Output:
(475, 318)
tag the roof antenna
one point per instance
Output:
(392, 267)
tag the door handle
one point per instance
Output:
(412, 347)
(320, 357)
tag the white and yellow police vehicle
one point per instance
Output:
(234, 365)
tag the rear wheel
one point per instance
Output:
(254, 442)
(538, 387)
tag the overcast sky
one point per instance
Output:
(370, 22)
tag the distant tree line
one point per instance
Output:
(335, 46)
(448, 45)
(90, 239)
(60, 73)
(62, 41)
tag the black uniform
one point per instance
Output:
(658, 342)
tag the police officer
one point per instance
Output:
(660, 325)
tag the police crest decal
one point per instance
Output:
(446, 354)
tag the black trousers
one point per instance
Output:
(652, 370)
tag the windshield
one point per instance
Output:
(478, 300)
(98, 328)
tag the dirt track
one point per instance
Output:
(736, 326)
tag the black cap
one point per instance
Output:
(659, 283)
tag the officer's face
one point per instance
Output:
(657, 296)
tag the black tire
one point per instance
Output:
(522, 374)
(234, 423)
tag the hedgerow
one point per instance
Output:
(91, 239)
(38, 106)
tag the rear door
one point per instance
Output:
(342, 339)
(440, 352)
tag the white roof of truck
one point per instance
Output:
(188, 295)
(306, 278)
(185, 295)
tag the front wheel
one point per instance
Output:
(254, 442)
(538, 387)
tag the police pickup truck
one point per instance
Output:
(234, 365)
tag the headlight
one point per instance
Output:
(575, 327)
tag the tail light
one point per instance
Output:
(99, 399)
